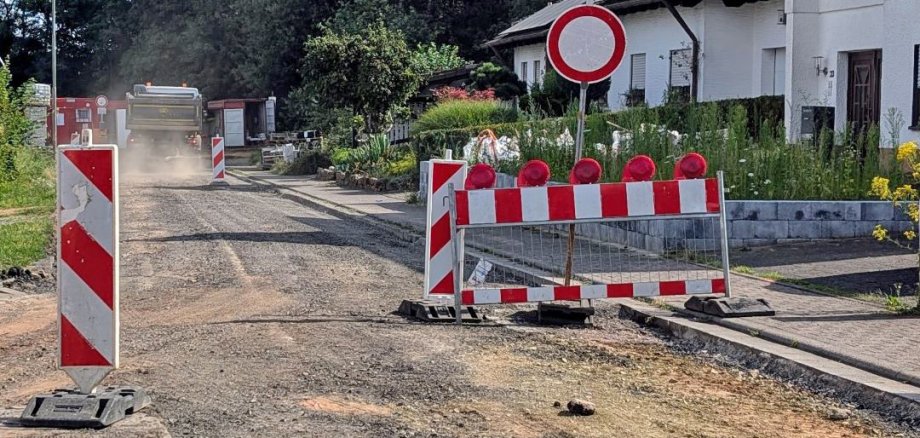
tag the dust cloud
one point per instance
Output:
(163, 163)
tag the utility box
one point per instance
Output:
(817, 118)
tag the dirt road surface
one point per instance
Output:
(246, 314)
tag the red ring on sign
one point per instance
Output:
(619, 38)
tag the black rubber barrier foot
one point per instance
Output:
(437, 311)
(564, 314)
(70, 409)
(730, 307)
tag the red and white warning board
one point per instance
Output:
(88, 262)
(586, 43)
(217, 159)
(439, 256)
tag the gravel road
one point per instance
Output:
(246, 314)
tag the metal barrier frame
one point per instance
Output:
(457, 227)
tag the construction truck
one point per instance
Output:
(164, 120)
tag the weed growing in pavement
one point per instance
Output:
(742, 269)
(904, 197)
(412, 198)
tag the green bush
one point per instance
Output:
(556, 95)
(453, 114)
(377, 157)
(305, 164)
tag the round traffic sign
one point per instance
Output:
(102, 101)
(586, 43)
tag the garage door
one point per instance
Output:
(233, 128)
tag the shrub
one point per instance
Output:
(556, 94)
(377, 158)
(505, 82)
(306, 164)
(454, 114)
(456, 93)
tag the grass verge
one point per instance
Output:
(26, 241)
(26, 201)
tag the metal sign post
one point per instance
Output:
(88, 291)
(585, 44)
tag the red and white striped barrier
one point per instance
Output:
(439, 251)
(577, 203)
(516, 206)
(591, 292)
(217, 160)
(87, 262)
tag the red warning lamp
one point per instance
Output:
(585, 171)
(533, 173)
(480, 176)
(690, 166)
(639, 168)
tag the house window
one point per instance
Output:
(524, 71)
(636, 93)
(84, 115)
(680, 76)
(537, 75)
(915, 119)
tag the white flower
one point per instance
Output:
(750, 175)
(742, 161)
(767, 182)
(756, 193)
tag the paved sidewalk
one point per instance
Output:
(854, 332)
(850, 266)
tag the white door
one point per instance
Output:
(121, 132)
(270, 115)
(779, 72)
(233, 128)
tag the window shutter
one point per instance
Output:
(680, 68)
(637, 74)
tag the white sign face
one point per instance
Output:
(102, 101)
(586, 44)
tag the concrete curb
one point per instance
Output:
(678, 325)
(883, 371)
(895, 400)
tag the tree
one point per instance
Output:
(15, 128)
(369, 73)
(431, 58)
(355, 16)
(505, 82)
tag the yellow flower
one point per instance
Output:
(903, 192)
(912, 211)
(880, 187)
(910, 235)
(879, 233)
(907, 150)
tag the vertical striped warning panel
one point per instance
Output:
(88, 262)
(439, 279)
(217, 159)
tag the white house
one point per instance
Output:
(852, 60)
